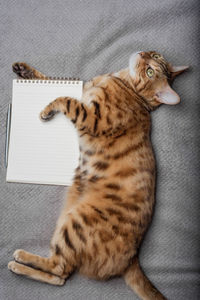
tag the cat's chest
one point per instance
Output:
(92, 152)
(87, 151)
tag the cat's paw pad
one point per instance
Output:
(18, 255)
(47, 116)
(13, 266)
(22, 70)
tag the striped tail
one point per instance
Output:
(140, 284)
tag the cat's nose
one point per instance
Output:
(142, 54)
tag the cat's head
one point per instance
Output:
(150, 75)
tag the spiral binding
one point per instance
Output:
(49, 79)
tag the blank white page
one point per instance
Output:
(41, 152)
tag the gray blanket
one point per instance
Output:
(84, 39)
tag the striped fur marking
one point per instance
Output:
(58, 250)
(95, 248)
(95, 125)
(76, 115)
(97, 109)
(101, 165)
(94, 178)
(126, 220)
(113, 211)
(126, 172)
(89, 152)
(108, 120)
(99, 212)
(129, 206)
(115, 228)
(127, 150)
(113, 186)
(84, 112)
(112, 197)
(67, 240)
(68, 105)
(105, 236)
(79, 231)
(88, 220)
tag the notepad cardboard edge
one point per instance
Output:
(67, 184)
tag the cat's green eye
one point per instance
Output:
(150, 72)
(156, 56)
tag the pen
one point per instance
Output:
(7, 134)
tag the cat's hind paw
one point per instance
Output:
(19, 255)
(13, 266)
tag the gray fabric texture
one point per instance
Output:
(84, 39)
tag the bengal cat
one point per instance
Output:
(109, 205)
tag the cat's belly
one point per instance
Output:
(103, 266)
(107, 233)
(106, 225)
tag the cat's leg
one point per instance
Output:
(89, 118)
(72, 199)
(28, 264)
(56, 268)
(35, 274)
(54, 264)
(25, 71)
(85, 118)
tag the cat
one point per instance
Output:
(110, 203)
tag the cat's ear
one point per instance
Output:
(176, 70)
(167, 95)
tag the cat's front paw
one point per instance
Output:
(47, 115)
(23, 70)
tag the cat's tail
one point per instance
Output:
(141, 285)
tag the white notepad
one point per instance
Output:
(41, 152)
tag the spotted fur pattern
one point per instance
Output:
(110, 203)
